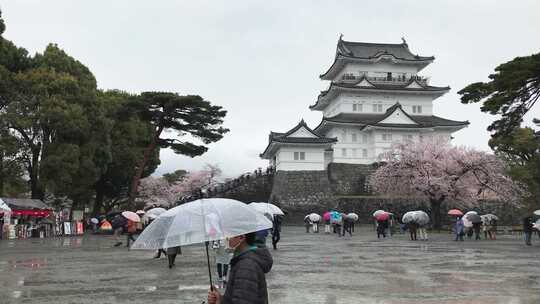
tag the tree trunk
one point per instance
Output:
(35, 187)
(436, 212)
(2, 177)
(140, 167)
(100, 195)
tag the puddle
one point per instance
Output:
(193, 287)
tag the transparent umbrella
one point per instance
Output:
(267, 208)
(201, 221)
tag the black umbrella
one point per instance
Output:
(474, 218)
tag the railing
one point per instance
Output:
(385, 80)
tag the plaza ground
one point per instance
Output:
(308, 268)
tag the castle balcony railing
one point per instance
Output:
(400, 80)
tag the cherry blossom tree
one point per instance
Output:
(158, 191)
(437, 171)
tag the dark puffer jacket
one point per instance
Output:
(247, 282)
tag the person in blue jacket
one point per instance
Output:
(459, 229)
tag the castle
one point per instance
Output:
(375, 98)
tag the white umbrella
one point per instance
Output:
(201, 221)
(267, 208)
(4, 207)
(418, 216)
(421, 218)
(154, 213)
(376, 213)
(408, 217)
(314, 217)
(353, 216)
(466, 222)
(486, 218)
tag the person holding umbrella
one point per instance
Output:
(247, 280)
(276, 230)
(412, 227)
(528, 229)
(459, 229)
(210, 219)
(172, 252)
(326, 218)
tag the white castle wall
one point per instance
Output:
(343, 103)
(314, 159)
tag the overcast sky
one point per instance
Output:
(260, 60)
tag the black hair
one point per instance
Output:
(250, 238)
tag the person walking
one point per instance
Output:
(347, 225)
(307, 223)
(118, 225)
(315, 227)
(381, 228)
(413, 227)
(247, 281)
(131, 228)
(223, 258)
(528, 229)
(327, 225)
(459, 229)
(492, 231)
(171, 254)
(276, 230)
(476, 227)
(159, 252)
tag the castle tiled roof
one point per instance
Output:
(336, 86)
(285, 138)
(422, 121)
(372, 52)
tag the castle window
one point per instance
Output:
(387, 137)
(377, 108)
(344, 152)
(364, 138)
(354, 137)
(417, 109)
(357, 107)
(364, 153)
(354, 152)
(299, 155)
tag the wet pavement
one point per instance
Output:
(308, 268)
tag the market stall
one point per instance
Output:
(28, 218)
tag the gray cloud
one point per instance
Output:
(261, 59)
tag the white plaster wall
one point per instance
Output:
(375, 145)
(343, 103)
(345, 141)
(302, 132)
(314, 159)
(398, 117)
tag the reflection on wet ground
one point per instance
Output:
(308, 268)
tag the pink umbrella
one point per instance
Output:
(382, 216)
(132, 216)
(326, 216)
(455, 212)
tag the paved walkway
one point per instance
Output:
(308, 268)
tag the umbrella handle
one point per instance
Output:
(208, 263)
